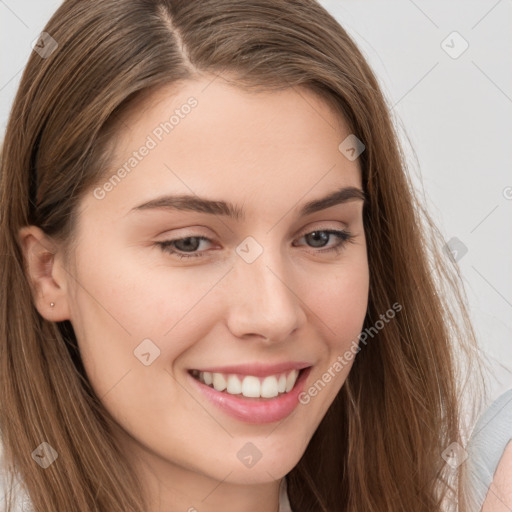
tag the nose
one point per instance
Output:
(263, 301)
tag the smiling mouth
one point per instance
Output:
(250, 386)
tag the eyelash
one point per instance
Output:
(343, 235)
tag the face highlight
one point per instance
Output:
(240, 273)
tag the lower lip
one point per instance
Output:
(255, 410)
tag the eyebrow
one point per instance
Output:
(199, 204)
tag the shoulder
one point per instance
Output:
(490, 456)
(499, 497)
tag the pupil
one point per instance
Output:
(186, 243)
(315, 235)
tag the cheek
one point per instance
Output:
(128, 310)
(340, 299)
(143, 295)
(339, 304)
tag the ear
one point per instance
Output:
(45, 273)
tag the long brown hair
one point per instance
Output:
(380, 445)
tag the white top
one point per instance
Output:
(489, 439)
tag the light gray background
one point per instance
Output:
(456, 112)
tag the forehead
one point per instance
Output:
(209, 138)
(221, 108)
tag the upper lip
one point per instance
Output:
(257, 369)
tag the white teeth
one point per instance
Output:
(269, 387)
(290, 380)
(281, 385)
(219, 382)
(250, 386)
(234, 385)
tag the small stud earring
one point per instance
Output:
(52, 304)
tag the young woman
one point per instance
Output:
(219, 290)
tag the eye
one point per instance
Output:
(318, 238)
(167, 246)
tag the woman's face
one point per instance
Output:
(259, 289)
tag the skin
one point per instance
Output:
(269, 153)
(499, 497)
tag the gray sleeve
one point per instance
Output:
(490, 437)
